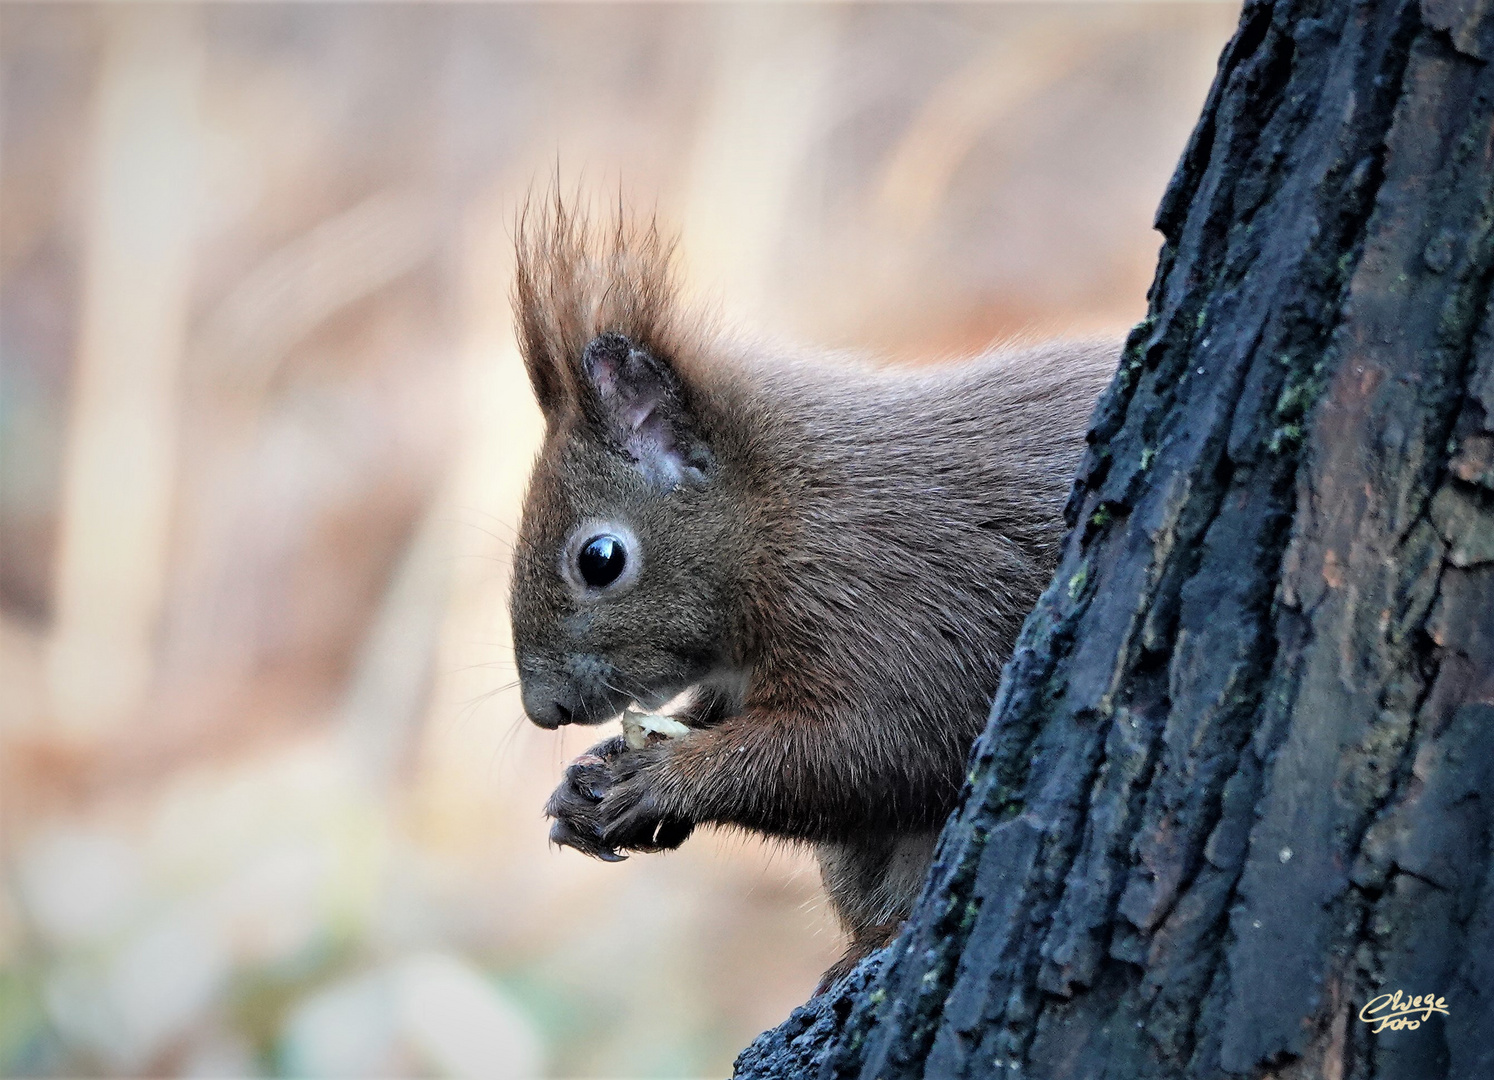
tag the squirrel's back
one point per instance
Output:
(912, 515)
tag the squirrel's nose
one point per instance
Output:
(548, 706)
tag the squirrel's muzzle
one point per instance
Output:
(549, 705)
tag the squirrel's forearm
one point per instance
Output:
(810, 777)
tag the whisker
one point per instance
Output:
(486, 665)
(617, 689)
(506, 742)
(499, 521)
(507, 545)
(469, 708)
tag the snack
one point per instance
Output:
(638, 727)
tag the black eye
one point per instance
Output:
(601, 560)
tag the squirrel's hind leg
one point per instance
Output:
(872, 881)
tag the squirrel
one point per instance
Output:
(835, 556)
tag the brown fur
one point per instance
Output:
(836, 555)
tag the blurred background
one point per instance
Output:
(268, 804)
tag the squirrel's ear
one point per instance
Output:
(641, 407)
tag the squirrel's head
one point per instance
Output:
(627, 555)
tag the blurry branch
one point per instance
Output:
(755, 135)
(921, 167)
(242, 349)
(389, 688)
(247, 338)
(119, 472)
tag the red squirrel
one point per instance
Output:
(835, 556)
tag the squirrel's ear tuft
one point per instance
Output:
(613, 286)
(641, 407)
(547, 379)
(552, 283)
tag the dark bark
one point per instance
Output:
(1239, 778)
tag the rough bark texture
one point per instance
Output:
(1239, 778)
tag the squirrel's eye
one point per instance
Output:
(601, 560)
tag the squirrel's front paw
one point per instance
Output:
(634, 813)
(575, 804)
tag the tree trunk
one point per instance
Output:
(1239, 777)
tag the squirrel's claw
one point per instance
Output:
(574, 806)
(606, 803)
(565, 835)
(633, 817)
